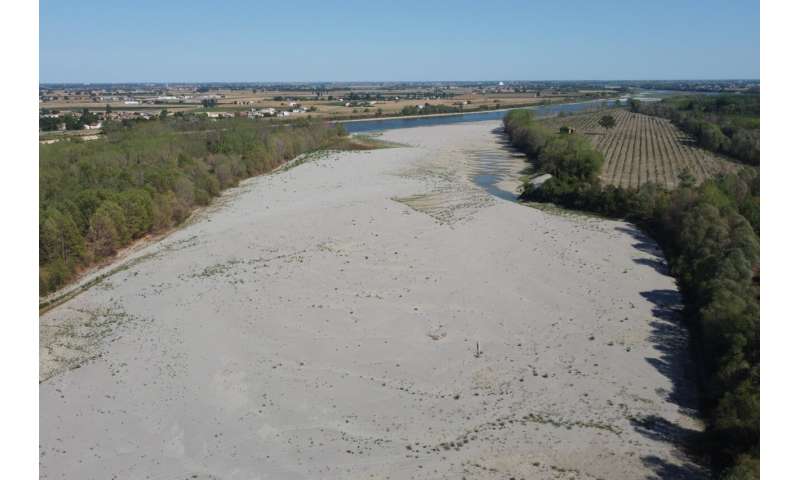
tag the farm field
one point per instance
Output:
(327, 104)
(642, 148)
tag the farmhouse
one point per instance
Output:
(219, 114)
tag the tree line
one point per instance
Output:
(710, 235)
(96, 197)
(70, 120)
(727, 124)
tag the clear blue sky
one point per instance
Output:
(127, 41)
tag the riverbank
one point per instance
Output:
(571, 101)
(450, 114)
(373, 313)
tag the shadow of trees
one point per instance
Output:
(663, 470)
(644, 243)
(658, 265)
(671, 339)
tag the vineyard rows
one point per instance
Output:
(641, 149)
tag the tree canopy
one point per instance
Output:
(96, 197)
(607, 122)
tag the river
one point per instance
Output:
(362, 126)
(490, 167)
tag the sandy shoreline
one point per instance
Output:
(322, 322)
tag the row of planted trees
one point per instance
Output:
(96, 197)
(709, 233)
(726, 124)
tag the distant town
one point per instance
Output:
(83, 108)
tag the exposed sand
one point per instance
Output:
(322, 322)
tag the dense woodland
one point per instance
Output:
(727, 124)
(710, 235)
(96, 197)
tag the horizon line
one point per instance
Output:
(96, 82)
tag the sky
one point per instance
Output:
(307, 41)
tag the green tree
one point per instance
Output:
(686, 178)
(59, 238)
(87, 117)
(710, 136)
(107, 229)
(608, 122)
(137, 206)
(570, 156)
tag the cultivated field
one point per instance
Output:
(641, 149)
(330, 104)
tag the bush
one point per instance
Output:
(570, 156)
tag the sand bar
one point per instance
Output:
(373, 314)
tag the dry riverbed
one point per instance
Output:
(373, 314)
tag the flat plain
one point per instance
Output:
(373, 314)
